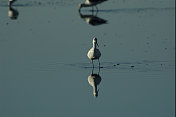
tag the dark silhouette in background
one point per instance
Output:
(12, 13)
(92, 19)
(94, 80)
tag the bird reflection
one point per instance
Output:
(12, 13)
(92, 19)
(94, 80)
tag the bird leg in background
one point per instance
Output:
(96, 13)
(98, 70)
(96, 8)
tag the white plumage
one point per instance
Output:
(94, 80)
(94, 53)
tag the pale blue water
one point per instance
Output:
(44, 67)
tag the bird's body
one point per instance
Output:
(13, 13)
(91, 3)
(94, 53)
(93, 19)
(94, 80)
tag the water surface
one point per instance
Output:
(44, 67)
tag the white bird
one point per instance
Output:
(94, 80)
(13, 13)
(94, 53)
(90, 3)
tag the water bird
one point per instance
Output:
(13, 13)
(91, 3)
(94, 53)
(93, 20)
(11, 2)
(94, 80)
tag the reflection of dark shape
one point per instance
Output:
(90, 3)
(13, 13)
(92, 19)
(94, 80)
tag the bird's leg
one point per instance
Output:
(92, 9)
(96, 13)
(98, 70)
(92, 64)
(92, 70)
(99, 63)
(96, 8)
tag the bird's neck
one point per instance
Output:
(94, 46)
(94, 88)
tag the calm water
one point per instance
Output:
(44, 67)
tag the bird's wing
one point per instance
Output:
(97, 53)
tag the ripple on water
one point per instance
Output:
(143, 66)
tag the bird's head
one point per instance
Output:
(95, 41)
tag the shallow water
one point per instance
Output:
(44, 67)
